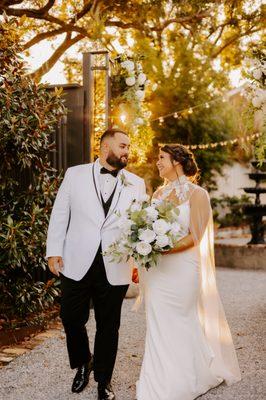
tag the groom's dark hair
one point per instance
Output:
(111, 132)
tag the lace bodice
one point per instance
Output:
(193, 202)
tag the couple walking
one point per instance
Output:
(188, 347)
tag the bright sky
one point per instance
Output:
(40, 53)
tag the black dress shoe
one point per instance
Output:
(81, 379)
(105, 392)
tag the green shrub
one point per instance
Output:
(28, 116)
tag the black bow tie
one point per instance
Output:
(106, 171)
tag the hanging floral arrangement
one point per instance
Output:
(128, 85)
(128, 109)
(255, 71)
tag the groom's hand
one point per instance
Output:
(55, 265)
(135, 275)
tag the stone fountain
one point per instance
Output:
(256, 211)
(235, 252)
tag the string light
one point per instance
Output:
(178, 114)
(191, 109)
(221, 144)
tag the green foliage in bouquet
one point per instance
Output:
(28, 114)
(147, 230)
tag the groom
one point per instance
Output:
(84, 222)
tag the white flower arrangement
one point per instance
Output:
(255, 91)
(129, 83)
(129, 65)
(148, 229)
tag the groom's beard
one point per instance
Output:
(117, 162)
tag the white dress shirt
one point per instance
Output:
(107, 183)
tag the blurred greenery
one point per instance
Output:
(228, 210)
(28, 116)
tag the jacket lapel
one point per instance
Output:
(96, 184)
(95, 189)
(116, 198)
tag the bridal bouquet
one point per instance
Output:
(147, 229)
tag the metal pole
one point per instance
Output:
(88, 86)
(64, 141)
(107, 92)
(88, 107)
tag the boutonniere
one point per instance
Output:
(124, 180)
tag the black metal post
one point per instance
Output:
(89, 66)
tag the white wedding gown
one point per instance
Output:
(179, 361)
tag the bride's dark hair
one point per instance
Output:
(182, 154)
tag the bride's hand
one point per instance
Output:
(167, 252)
(135, 275)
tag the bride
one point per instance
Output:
(188, 348)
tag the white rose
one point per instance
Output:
(141, 78)
(130, 81)
(124, 223)
(162, 241)
(152, 213)
(160, 226)
(140, 94)
(256, 101)
(139, 121)
(143, 248)
(135, 207)
(175, 228)
(147, 236)
(257, 73)
(129, 65)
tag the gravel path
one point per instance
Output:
(43, 374)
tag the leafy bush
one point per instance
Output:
(28, 115)
(228, 210)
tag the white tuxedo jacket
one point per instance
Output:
(78, 224)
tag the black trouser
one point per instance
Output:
(75, 306)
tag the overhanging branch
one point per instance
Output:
(47, 65)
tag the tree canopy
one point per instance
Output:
(219, 26)
(188, 49)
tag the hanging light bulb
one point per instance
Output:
(175, 115)
(161, 120)
(190, 110)
(207, 105)
(123, 118)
